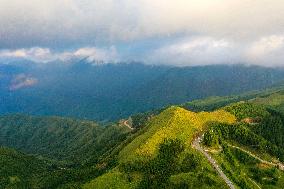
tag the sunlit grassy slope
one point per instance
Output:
(173, 123)
(110, 180)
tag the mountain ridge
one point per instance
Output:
(114, 91)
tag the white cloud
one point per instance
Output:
(93, 54)
(197, 51)
(65, 22)
(35, 54)
(214, 31)
(267, 51)
(189, 51)
(45, 55)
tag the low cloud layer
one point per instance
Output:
(45, 55)
(196, 51)
(266, 51)
(187, 32)
(191, 51)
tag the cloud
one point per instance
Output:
(61, 23)
(45, 55)
(188, 51)
(196, 51)
(187, 32)
(267, 51)
(94, 54)
(35, 54)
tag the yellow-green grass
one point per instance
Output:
(173, 123)
(113, 179)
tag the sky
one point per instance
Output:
(171, 32)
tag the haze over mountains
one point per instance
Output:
(107, 92)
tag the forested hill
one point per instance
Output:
(243, 134)
(243, 139)
(61, 139)
(113, 91)
(18, 170)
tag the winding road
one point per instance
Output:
(279, 165)
(197, 146)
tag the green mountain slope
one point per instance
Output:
(243, 134)
(274, 100)
(173, 123)
(18, 170)
(58, 138)
(166, 141)
(250, 151)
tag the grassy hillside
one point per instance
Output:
(166, 140)
(253, 121)
(58, 138)
(173, 123)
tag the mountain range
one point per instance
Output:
(108, 92)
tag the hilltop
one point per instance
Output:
(173, 128)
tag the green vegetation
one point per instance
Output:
(246, 171)
(273, 101)
(262, 138)
(244, 110)
(72, 148)
(58, 138)
(270, 97)
(67, 153)
(113, 179)
(166, 140)
(173, 123)
(242, 134)
(271, 128)
(18, 170)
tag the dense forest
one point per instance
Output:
(61, 139)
